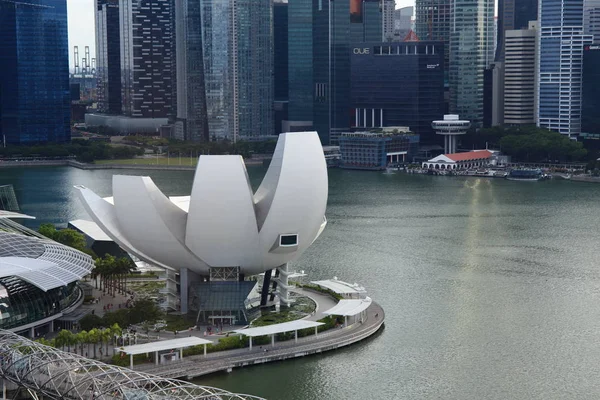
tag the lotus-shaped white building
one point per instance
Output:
(223, 224)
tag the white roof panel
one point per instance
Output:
(278, 328)
(91, 229)
(340, 287)
(163, 345)
(11, 214)
(349, 307)
(182, 202)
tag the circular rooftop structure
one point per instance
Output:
(450, 127)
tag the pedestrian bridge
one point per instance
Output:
(57, 374)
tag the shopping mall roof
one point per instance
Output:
(11, 214)
(279, 328)
(40, 261)
(340, 287)
(151, 347)
(90, 229)
(348, 308)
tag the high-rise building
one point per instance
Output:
(388, 8)
(319, 60)
(403, 22)
(471, 52)
(560, 53)
(108, 56)
(192, 119)
(146, 58)
(513, 15)
(34, 72)
(433, 22)
(398, 84)
(590, 117)
(280, 63)
(591, 19)
(300, 64)
(238, 67)
(519, 76)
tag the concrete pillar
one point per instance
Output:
(181, 353)
(273, 340)
(250, 342)
(51, 326)
(156, 357)
(345, 320)
(32, 333)
(3, 390)
(131, 361)
(204, 348)
(296, 336)
(316, 331)
(183, 284)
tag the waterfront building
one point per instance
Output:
(37, 279)
(591, 19)
(493, 94)
(108, 56)
(471, 52)
(319, 60)
(520, 76)
(374, 150)
(513, 15)
(590, 115)
(397, 84)
(560, 53)
(223, 232)
(280, 63)
(450, 127)
(34, 72)
(458, 161)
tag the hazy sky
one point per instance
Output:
(81, 25)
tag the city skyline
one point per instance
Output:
(81, 25)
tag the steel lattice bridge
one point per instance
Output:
(58, 374)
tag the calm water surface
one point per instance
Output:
(491, 288)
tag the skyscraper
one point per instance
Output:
(108, 56)
(192, 119)
(433, 22)
(519, 76)
(471, 52)
(34, 72)
(280, 63)
(387, 13)
(590, 118)
(560, 53)
(513, 15)
(402, 22)
(238, 66)
(146, 58)
(319, 59)
(591, 19)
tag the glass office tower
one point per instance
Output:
(237, 44)
(108, 56)
(471, 52)
(513, 15)
(34, 72)
(560, 53)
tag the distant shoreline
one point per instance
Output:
(85, 166)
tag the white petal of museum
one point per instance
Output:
(222, 223)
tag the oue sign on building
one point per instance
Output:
(361, 50)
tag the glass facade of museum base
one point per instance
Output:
(222, 302)
(22, 303)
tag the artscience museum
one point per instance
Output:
(223, 234)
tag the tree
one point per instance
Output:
(68, 237)
(144, 310)
(90, 322)
(94, 338)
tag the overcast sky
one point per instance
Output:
(81, 25)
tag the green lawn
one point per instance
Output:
(183, 161)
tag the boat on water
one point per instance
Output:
(530, 175)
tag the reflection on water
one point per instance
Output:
(491, 288)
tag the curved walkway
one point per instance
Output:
(194, 366)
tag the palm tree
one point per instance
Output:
(105, 336)
(64, 338)
(94, 338)
(82, 338)
(116, 332)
